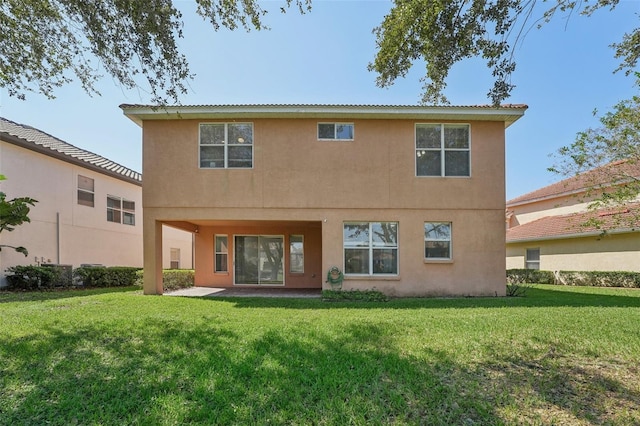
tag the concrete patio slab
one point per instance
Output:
(246, 292)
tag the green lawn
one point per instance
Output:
(561, 355)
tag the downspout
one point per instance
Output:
(58, 238)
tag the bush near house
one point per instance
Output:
(101, 276)
(37, 277)
(175, 279)
(31, 278)
(575, 278)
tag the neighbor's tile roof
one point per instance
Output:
(37, 140)
(571, 225)
(578, 183)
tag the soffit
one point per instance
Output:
(505, 113)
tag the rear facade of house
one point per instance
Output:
(407, 200)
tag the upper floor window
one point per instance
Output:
(371, 248)
(442, 150)
(437, 240)
(120, 210)
(226, 145)
(335, 131)
(85, 191)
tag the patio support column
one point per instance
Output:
(331, 246)
(152, 257)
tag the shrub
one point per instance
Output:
(100, 276)
(354, 296)
(517, 289)
(599, 278)
(31, 277)
(529, 276)
(174, 279)
(574, 278)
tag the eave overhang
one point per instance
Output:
(505, 113)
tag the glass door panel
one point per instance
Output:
(259, 260)
(271, 264)
(246, 259)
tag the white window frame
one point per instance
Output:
(436, 239)
(174, 258)
(442, 149)
(220, 253)
(87, 191)
(126, 215)
(225, 144)
(371, 246)
(532, 264)
(335, 131)
(300, 239)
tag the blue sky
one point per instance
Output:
(564, 72)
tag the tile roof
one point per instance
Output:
(571, 225)
(579, 183)
(37, 140)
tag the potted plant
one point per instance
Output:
(335, 278)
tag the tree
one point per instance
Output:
(444, 32)
(46, 43)
(607, 160)
(14, 213)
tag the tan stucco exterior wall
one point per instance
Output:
(297, 178)
(615, 252)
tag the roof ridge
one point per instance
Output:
(572, 184)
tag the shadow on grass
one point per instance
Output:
(37, 296)
(536, 297)
(161, 373)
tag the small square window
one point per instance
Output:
(335, 131)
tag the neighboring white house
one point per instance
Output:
(89, 208)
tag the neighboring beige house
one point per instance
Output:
(89, 208)
(408, 200)
(545, 228)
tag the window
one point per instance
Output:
(222, 253)
(437, 240)
(442, 150)
(120, 210)
(296, 254)
(371, 248)
(175, 258)
(335, 131)
(85, 191)
(226, 146)
(532, 260)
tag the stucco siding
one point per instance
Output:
(292, 169)
(615, 252)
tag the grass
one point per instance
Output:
(561, 355)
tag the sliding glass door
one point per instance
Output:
(259, 259)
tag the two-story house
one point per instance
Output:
(89, 208)
(408, 200)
